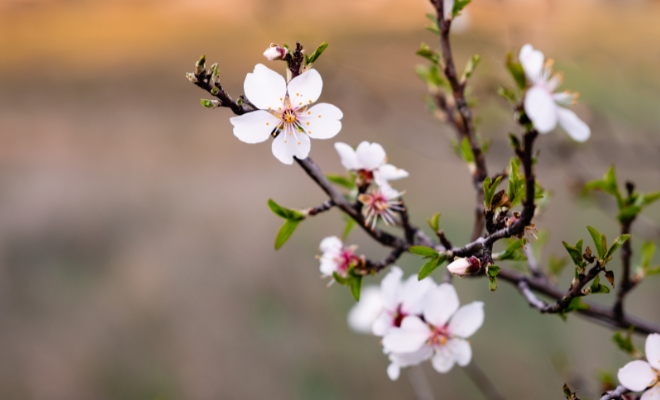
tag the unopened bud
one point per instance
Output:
(200, 65)
(191, 77)
(464, 266)
(274, 52)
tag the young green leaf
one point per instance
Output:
(431, 75)
(434, 222)
(285, 213)
(516, 187)
(556, 265)
(470, 67)
(646, 253)
(575, 254)
(426, 52)
(285, 232)
(356, 287)
(317, 53)
(458, 6)
(599, 241)
(616, 244)
(512, 252)
(423, 251)
(340, 279)
(596, 286)
(516, 70)
(207, 103)
(431, 265)
(650, 198)
(434, 24)
(493, 270)
(490, 188)
(624, 343)
(628, 213)
(492, 283)
(348, 228)
(608, 185)
(341, 181)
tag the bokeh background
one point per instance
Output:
(136, 247)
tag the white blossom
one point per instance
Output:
(464, 266)
(336, 257)
(644, 375)
(274, 52)
(441, 334)
(366, 311)
(286, 112)
(542, 105)
(369, 162)
(381, 202)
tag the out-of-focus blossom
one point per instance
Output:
(641, 375)
(542, 105)
(286, 112)
(336, 257)
(365, 312)
(369, 162)
(381, 202)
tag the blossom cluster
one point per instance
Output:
(418, 321)
(641, 375)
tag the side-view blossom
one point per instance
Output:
(380, 202)
(369, 161)
(336, 257)
(274, 52)
(641, 375)
(286, 112)
(441, 334)
(464, 266)
(542, 105)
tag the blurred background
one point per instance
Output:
(136, 247)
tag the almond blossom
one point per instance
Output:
(336, 257)
(364, 313)
(464, 266)
(641, 375)
(542, 105)
(440, 335)
(381, 202)
(369, 162)
(286, 113)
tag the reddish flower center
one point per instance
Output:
(439, 336)
(399, 315)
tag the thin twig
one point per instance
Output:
(325, 206)
(616, 394)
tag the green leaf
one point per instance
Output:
(493, 270)
(431, 75)
(348, 228)
(578, 246)
(516, 187)
(470, 67)
(516, 70)
(624, 343)
(317, 53)
(616, 244)
(514, 141)
(513, 252)
(434, 24)
(356, 287)
(341, 181)
(340, 279)
(650, 198)
(653, 271)
(285, 213)
(431, 265)
(207, 103)
(609, 185)
(599, 241)
(458, 6)
(628, 213)
(426, 52)
(490, 188)
(423, 251)
(508, 94)
(285, 232)
(596, 286)
(575, 254)
(574, 305)
(646, 253)
(434, 222)
(556, 265)
(492, 283)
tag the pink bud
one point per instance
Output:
(464, 266)
(274, 52)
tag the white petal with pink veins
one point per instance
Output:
(371, 156)
(532, 62)
(653, 350)
(573, 125)
(441, 304)
(467, 320)
(305, 88)
(541, 108)
(254, 127)
(348, 156)
(286, 146)
(412, 335)
(636, 375)
(265, 88)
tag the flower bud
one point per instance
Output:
(464, 266)
(274, 52)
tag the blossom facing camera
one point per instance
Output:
(641, 375)
(464, 266)
(440, 336)
(542, 105)
(381, 202)
(336, 257)
(286, 113)
(274, 52)
(369, 162)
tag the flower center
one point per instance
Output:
(289, 116)
(398, 317)
(346, 259)
(439, 336)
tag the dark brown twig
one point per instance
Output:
(325, 206)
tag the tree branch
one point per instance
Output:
(616, 394)
(626, 285)
(325, 206)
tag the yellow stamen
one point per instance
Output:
(297, 94)
(280, 99)
(267, 123)
(319, 116)
(309, 112)
(298, 142)
(310, 102)
(308, 123)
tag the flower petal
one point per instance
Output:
(393, 371)
(460, 351)
(636, 375)
(467, 320)
(305, 88)
(414, 358)
(441, 303)
(347, 155)
(532, 62)
(390, 287)
(363, 314)
(412, 335)
(413, 294)
(371, 156)
(287, 145)
(265, 88)
(254, 127)
(389, 172)
(328, 266)
(442, 361)
(653, 350)
(541, 108)
(331, 243)
(322, 121)
(382, 324)
(651, 394)
(573, 125)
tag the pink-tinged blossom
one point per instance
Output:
(380, 202)
(366, 311)
(336, 257)
(542, 105)
(369, 163)
(440, 335)
(464, 266)
(286, 112)
(274, 52)
(644, 375)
